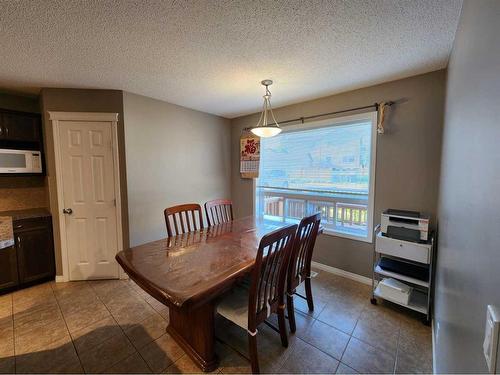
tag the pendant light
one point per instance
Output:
(263, 129)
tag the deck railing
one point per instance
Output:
(341, 212)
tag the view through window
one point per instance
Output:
(324, 169)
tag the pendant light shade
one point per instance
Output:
(266, 131)
(263, 128)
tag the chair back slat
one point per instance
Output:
(301, 257)
(183, 218)
(219, 211)
(267, 289)
(189, 221)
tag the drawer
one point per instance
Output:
(31, 223)
(403, 249)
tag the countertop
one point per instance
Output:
(31, 213)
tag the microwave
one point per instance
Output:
(20, 161)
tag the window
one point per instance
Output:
(325, 166)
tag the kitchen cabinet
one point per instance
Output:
(9, 277)
(21, 131)
(35, 249)
(20, 127)
(31, 259)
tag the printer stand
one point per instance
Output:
(411, 263)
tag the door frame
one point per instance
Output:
(55, 118)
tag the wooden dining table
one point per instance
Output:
(189, 272)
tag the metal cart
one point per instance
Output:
(422, 294)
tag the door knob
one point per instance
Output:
(67, 211)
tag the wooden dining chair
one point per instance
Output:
(250, 307)
(299, 267)
(183, 218)
(219, 211)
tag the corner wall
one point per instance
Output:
(468, 276)
(408, 157)
(174, 155)
(80, 100)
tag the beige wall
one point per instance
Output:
(174, 155)
(408, 157)
(468, 277)
(17, 193)
(80, 100)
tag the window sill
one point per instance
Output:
(334, 233)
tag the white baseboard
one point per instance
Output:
(60, 279)
(346, 274)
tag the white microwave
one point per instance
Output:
(20, 161)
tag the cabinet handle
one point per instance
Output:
(19, 240)
(6, 131)
(1, 130)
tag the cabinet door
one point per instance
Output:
(3, 130)
(8, 268)
(19, 127)
(35, 253)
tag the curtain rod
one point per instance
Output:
(302, 119)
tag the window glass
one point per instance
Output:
(325, 169)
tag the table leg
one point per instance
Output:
(193, 329)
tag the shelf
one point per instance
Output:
(418, 300)
(414, 251)
(398, 276)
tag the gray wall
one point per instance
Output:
(468, 276)
(80, 100)
(174, 155)
(408, 157)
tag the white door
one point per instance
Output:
(86, 154)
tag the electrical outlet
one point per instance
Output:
(491, 332)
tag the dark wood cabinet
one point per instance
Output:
(21, 131)
(8, 268)
(21, 127)
(31, 259)
(35, 249)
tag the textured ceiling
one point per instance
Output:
(211, 55)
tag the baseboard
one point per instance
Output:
(60, 279)
(346, 274)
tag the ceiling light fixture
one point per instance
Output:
(263, 129)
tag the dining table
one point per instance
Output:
(188, 273)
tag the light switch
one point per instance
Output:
(490, 344)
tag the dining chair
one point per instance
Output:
(248, 308)
(219, 211)
(183, 218)
(299, 267)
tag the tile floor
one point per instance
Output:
(115, 327)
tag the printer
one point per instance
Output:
(405, 225)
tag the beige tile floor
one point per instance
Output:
(115, 327)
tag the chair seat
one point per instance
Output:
(234, 307)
